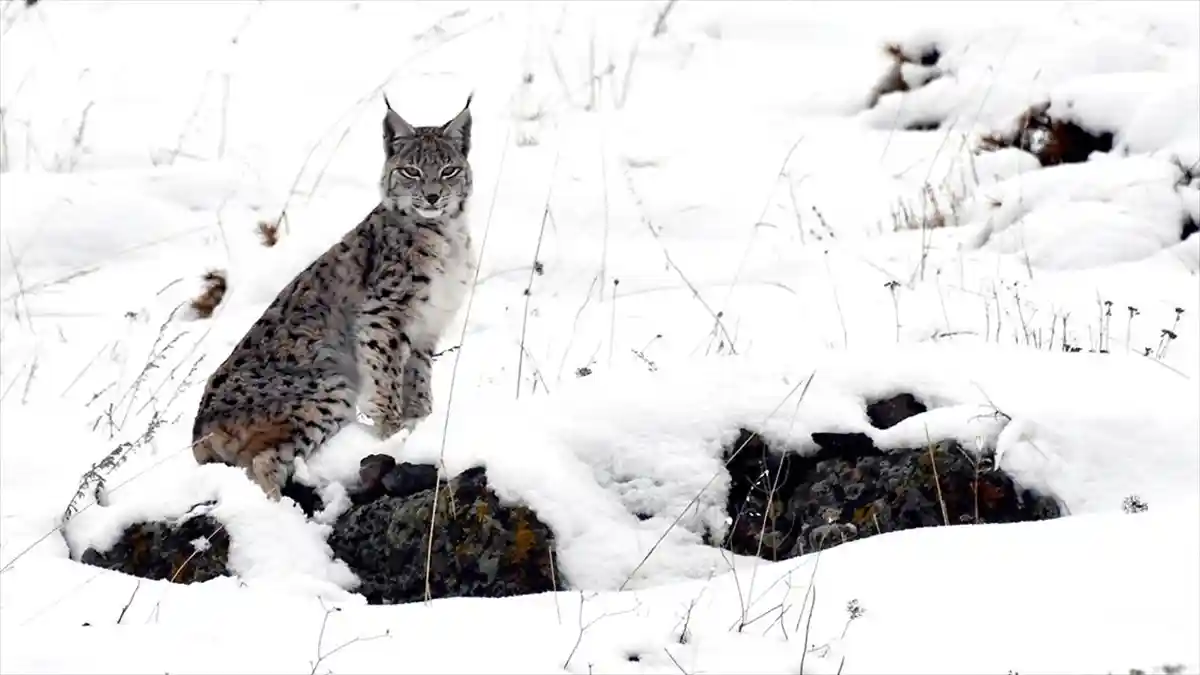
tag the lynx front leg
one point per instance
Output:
(382, 364)
(417, 392)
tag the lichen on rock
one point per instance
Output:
(783, 504)
(193, 549)
(481, 547)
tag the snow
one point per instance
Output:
(734, 240)
(1107, 592)
(1079, 215)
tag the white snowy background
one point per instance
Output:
(724, 234)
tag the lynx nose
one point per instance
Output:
(432, 198)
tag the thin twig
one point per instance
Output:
(808, 626)
(716, 316)
(321, 656)
(668, 653)
(660, 24)
(534, 267)
(583, 628)
(937, 482)
(132, 595)
(762, 214)
(195, 552)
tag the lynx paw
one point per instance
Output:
(270, 473)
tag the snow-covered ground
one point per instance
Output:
(714, 231)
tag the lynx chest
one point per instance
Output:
(449, 273)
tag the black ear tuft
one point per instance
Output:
(460, 127)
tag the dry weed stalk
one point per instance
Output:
(94, 479)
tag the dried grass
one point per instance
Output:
(215, 285)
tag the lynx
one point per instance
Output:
(358, 327)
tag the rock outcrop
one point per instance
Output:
(184, 551)
(781, 504)
(481, 547)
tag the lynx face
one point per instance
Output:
(426, 169)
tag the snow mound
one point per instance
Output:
(840, 611)
(1083, 215)
(272, 541)
(626, 468)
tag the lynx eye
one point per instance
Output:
(451, 171)
(410, 172)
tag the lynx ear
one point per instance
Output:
(394, 128)
(460, 127)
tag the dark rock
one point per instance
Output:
(1052, 140)
(923, 125)
(166, 551)
(407, 479)
(481, 548)
(380, 475)
(850, 489)
(305, 496)
(893, 79)
(1070, 143)
(1190, 227)
(835, 445)
(371, 470)
(891, 411)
